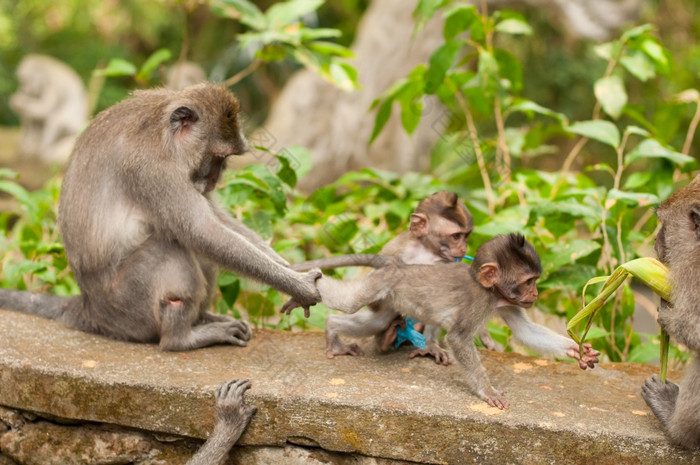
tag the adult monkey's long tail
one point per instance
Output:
(36, 303)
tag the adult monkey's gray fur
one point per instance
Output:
(678, 246)
(141, 233)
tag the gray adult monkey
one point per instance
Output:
(141, 233)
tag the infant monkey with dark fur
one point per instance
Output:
(454, 296)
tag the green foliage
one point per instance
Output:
(32, 251)
(275, 35)
(279, 33)
(583, 224)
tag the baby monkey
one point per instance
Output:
(454, 296)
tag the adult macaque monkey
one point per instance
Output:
(232, 418)
(457, 297)
(438, 232)
(141, 233)
(678, 246)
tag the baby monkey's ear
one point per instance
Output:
(488, 275)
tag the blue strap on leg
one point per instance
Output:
(410, 334)
(416, 337)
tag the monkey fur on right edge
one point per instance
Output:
(454, 296)
(678, 246)
(141, 233)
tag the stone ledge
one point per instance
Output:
(383, 406)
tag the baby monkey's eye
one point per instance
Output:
(457, 236)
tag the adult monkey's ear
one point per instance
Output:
(488, 275)
(183, 118)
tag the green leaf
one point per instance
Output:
(260, 222)
(639, 65)
(152, 62)
(117, 67)
(564, 253)
(644, 353)
(528, 107)
(636, 130)
(273, 184)
(271, 53)
(596, 332)
(241, 10)
(487, 71)
(411, 111)
(651, 148)
(609, 50)
(440, 61)
(495, 228)
(299, 159)
(514, 26)
(637, 180)
(633, 198)
(636, 32)
(343, 75)
(570, 206)
(600, 130)
(509, 67)
(285, 171)
(425, 9)
(342, 231)
(458, 18)
(230, 288)
(656, 52)
(307, 34)
(604, 51)
(610, 92)
(382, 117)
(330, 49)
(283, 13)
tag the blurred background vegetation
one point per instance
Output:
(586, 212)
(86, 34)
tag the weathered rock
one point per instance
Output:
(380, 406)
(44, 443)
(11, 418)
(6, 460)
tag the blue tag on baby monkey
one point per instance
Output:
(410, 334)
